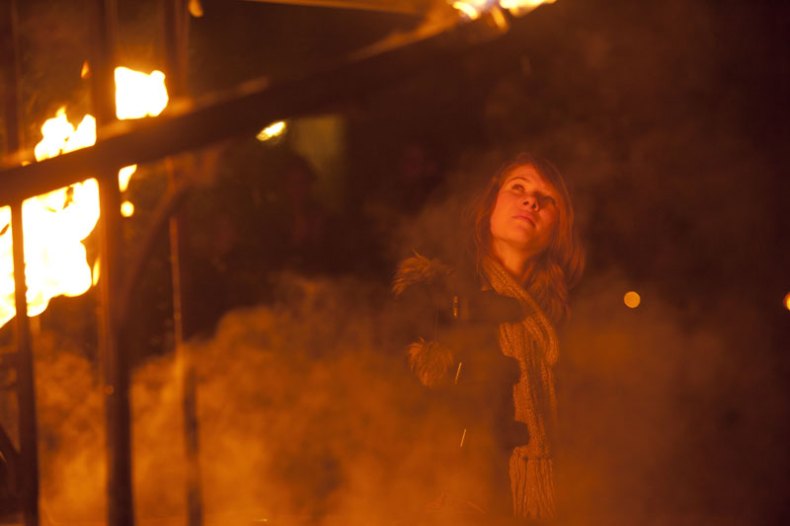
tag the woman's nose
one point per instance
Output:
(531, 201)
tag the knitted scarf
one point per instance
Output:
(533, 343)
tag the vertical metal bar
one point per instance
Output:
(26, 393)
(120, 505)
(115, 362)
(186, 371)
(176, 40)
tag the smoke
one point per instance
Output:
(306, 415)
(661, 418)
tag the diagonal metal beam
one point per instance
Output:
(190, 125)
(406, 7)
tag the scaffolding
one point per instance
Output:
(189, 124)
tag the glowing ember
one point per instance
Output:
(632, 299)
(787, 301)
(275, 129)
(57, 223)
(472, 9)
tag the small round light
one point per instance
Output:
(787, 301)
(127, 209)
(632, 299)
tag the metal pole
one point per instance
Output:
(25, 382)
(176, 41)
(114, 358)
(26, 393)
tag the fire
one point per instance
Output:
(272, 131)
(787, 301)
(522, 7)
(57, 223)
(472, 9)
(138, 95)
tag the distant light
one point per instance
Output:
(85, 72)
(127, 209)
(632, 299)
(787, 301)
(275, 129)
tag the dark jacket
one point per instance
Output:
(453, 350)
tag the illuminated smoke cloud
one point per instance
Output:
(306, 413)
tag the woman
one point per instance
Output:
(491, 340)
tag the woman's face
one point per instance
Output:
(525, 213)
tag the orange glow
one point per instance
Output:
(632, 299)
(195, 8)
(57, 223)
(787, 301)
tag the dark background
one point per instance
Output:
(669, 120)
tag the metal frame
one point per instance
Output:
(187, 125)
(24, 463)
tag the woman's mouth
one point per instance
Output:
(526, 217)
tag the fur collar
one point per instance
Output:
(419, 269)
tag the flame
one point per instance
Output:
(139, 95)
(272, 131)
(472, 9)
(522, 7)
(787, 301)
(632, 299)
(125, 175)
(57, 223)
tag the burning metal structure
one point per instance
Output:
(51, 200)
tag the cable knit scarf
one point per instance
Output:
(533, 342)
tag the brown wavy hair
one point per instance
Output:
(559, 268)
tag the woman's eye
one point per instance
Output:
(518, 187)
